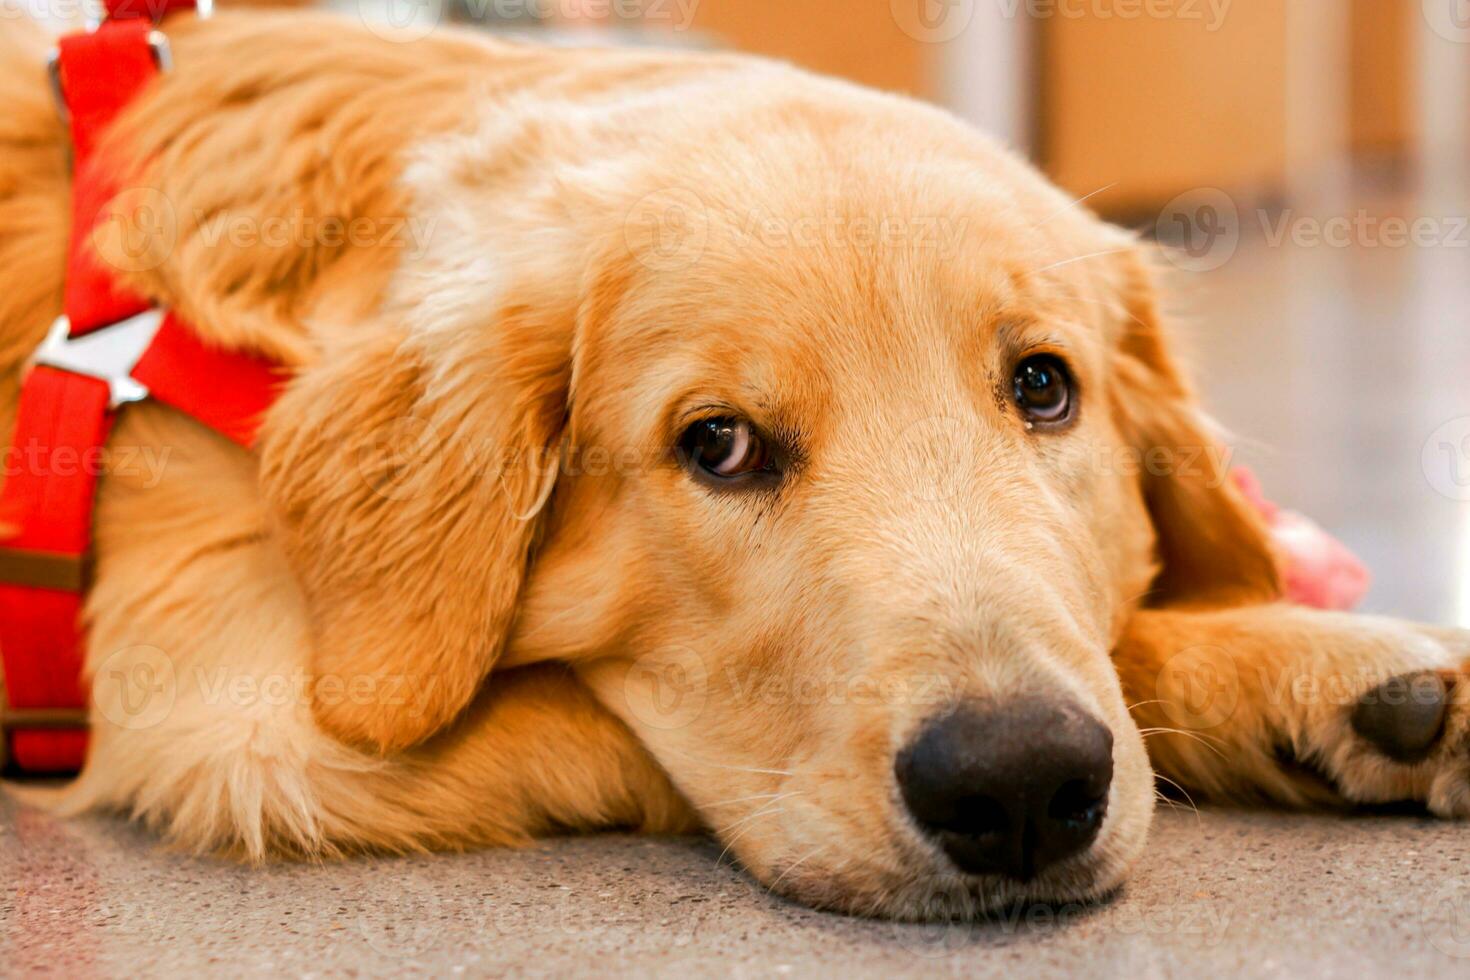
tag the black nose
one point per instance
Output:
(1012, 787)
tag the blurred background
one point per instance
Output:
(1302, 164)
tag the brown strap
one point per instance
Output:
(34, 719)
(42, 569)
(11, 718)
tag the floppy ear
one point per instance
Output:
(1213, 546)
(407, 475)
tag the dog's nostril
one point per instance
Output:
(1010, 788)
(1078, 804)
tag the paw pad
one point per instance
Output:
(1404, 716)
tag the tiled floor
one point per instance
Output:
(1336, 367)
(1345, 373)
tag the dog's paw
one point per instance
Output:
(1405, 738)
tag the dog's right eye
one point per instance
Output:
(1043, 390)
(725, 448)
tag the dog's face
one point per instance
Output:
(866, 570)
(859, 426)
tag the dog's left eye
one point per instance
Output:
(726, 448)
(1043, 389)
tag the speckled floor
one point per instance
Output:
(1222, 894)
(1345, 372)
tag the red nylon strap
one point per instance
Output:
(49, 751)
(49, 494)
(152, 10)
(51, 481)
(64, 419)
(227, 391)
(101, 73)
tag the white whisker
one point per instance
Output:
(1192, 806)
(741, 799)
(1076, 258)
(1081, 200)
(750, 769)
(1139, 704)
(1199, 737)
(792, 866)
(748, 822)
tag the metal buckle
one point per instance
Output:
(53, 72)
(109, 353)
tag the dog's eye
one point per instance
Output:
(1043, 389)
(725, 448)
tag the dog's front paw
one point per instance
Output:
(1406, 738)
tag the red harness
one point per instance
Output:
(108, 348)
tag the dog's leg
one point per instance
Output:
(534, 755)
(1302, 707)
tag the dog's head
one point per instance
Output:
(831, 444)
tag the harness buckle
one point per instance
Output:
(110, 353)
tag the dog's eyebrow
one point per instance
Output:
(1014, 330)
(1024, 331)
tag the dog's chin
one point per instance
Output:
(948, 896)
(924, 886)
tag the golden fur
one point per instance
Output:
(469, 475)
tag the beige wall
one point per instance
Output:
(1156, 107)
(855, 39)
(1384, 120)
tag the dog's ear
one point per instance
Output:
(407, 473)
(1213, 546)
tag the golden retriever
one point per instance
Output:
(673, 441)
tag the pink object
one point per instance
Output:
(1320, 570)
